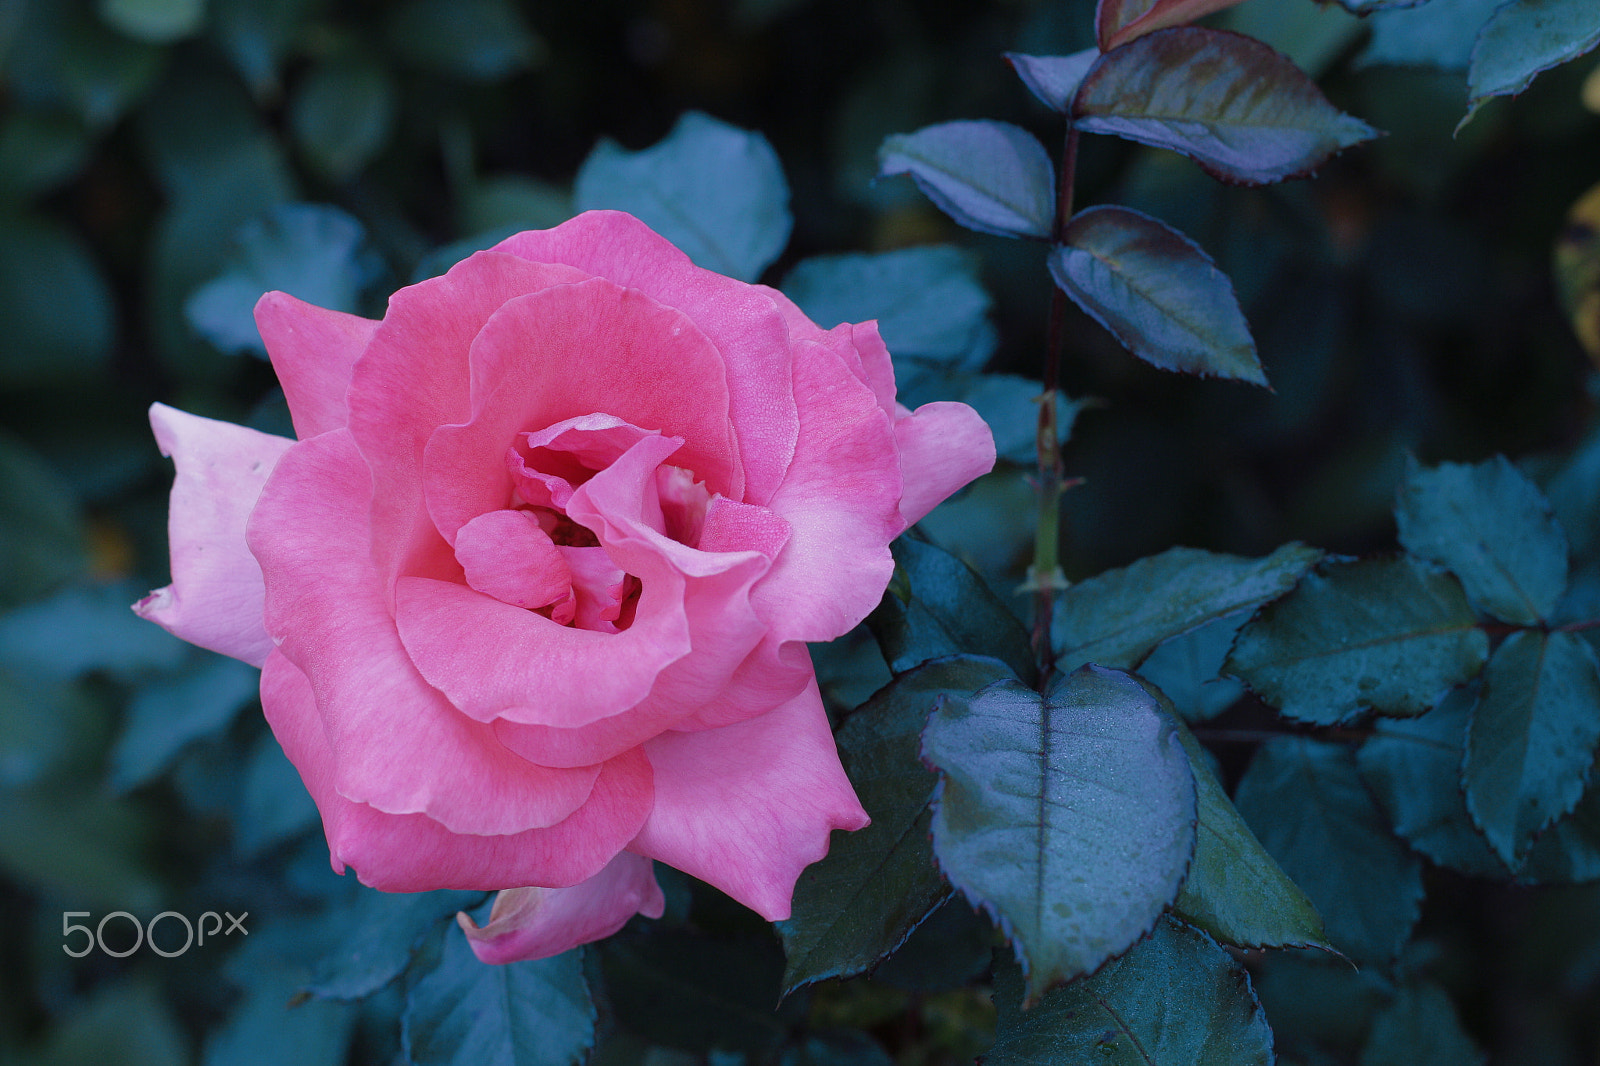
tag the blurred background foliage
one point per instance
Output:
(164, 161)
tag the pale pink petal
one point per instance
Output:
(215, 599)
(858, 345)
(413, 853)
(742, 321)
(413, 378)
(773, 674)
(594, 346)
(841, 497)
(536, 923)
(506, 555)
(731, 526)
(749, 806)
(313, 351)
(598, 585)
(402, 748)
(943, 446)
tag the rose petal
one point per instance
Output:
(742, 321)
(413, 378)
(402, 748)
(414, 853)
(598, 585)
(943, 446)
(215, 599)
(314, 351)
(841, 498)
(506, 555)
(573, 350)
(536, 923)
(748, 806)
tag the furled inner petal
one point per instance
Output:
(506, 555)
(599, 588)
(547, 465)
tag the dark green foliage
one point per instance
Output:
(1069, 816)
(1175, 997)
(464, 1012)
(989, 176)
(1390, 635)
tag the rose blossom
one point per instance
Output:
(532, 590)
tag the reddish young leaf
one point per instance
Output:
(1238, 107)
(1116, 22)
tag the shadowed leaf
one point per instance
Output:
(1524, 38)
(989, 176)
(1238, 107)
(1157, 292)
(1174, 998)
(877, 884)
(1393, 635)
(1069, 817)
(1116, 22)
(1053, 79)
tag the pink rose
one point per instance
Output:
(531, 593)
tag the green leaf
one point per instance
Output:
(714, 190)
(1069, 817)
(931, 307)
(86, 629)
(1158, 293)
(1188, 668)
(154, 21)
(950, 950)
(273, 802)
(41, 532)
(1532, 737)
(380, 933)
(1053, 79)
(1237, 107)
(1117, 617)
(64, 56)
(127, 1022)
(689, 991)
(1413, 766)
(464, 1013)
(1174, 998)
(166, 715)
(341, 114)
(1493, 528)
(477, 40)
(40, 150)
(1116, 22)
(77, 848)
(1525, 38)
(46, 269)
(311, 251)
(1390, 634)
(1569, 851)
(1439, 34)
(935, 606)
(260, 1032)
(875, 886)
(1421, 1025)
(1306, 803)
(1235, 890)
(256, 35)
(989, 176)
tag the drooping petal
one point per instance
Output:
(414, 853)
(215, 599)
(314, 351)
(536, 923)
(742, 321)
(943, 446)
(506, 555)
(402, 748)
(748, 806)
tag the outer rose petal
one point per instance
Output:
(215, 598)
(314, 351)
(414, 853)
(748, 806)
(943, 446)
(401, 747)
(536, 923)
